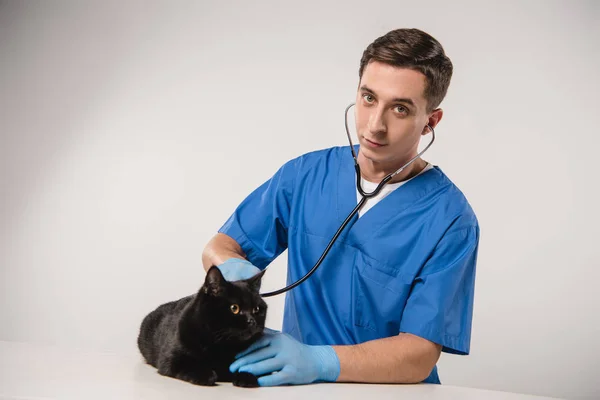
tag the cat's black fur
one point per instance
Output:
(196, 338)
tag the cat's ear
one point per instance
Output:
(255, 281)
(213, 283)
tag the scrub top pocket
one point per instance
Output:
(381, 295)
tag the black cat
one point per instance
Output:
(196, 338)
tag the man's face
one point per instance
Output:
(390, 113)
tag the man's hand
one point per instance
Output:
(294, 362)
(235, 269)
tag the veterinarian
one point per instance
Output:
(397, 287)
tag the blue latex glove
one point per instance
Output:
(295, 363)
(236, 269)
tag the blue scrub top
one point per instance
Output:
(406, 265)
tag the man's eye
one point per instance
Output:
(368, 98)
(401, 110)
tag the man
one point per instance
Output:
(397, 287)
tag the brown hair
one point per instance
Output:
(417, 50)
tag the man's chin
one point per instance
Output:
(375, 155)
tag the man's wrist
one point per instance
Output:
(234, 269)
(236, 260)
(329, 363)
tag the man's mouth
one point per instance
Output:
(372, 143)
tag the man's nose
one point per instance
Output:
(376, 121)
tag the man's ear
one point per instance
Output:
(434, 119)
(255, 281)
(213, 283)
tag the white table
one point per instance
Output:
(29, 371)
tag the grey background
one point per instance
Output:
(125, 142)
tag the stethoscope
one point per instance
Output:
(365, 197)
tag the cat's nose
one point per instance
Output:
(251, 321)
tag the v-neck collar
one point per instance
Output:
(360, 229)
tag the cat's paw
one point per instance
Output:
(208, 380)
(202, 378)
(244, 379)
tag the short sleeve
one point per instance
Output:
(440, 305)
(260, 223)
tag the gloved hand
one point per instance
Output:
(235, 269)
(295, 362)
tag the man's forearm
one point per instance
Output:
(219, 249)
(400, 359)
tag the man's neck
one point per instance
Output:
(375, 173)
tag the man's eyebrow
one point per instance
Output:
(396, 100)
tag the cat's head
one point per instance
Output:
(235, 309)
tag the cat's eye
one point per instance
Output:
(256, 309)
(234, 308)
